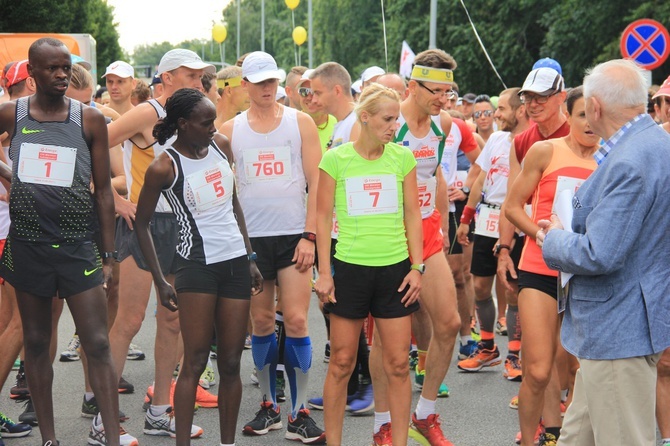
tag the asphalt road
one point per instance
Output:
(476, 412)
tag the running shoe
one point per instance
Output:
(304, 429)
(212, 351)
(17, 364)
(536, 439)
(514, 402)
(280, 389)
(317, 403)
(512, 368)
(10, 429)
(363, 401)
(96, 435)
(501, 326)
(563, 408)
(474, 329)
(267, 419)
(247, 342)
(2, 443)
(413, 359)
(28, 416)
(134, 353)
(480, 359)
(419, 376)
(164, 425)
(383, 437)
(326, 353)
(465, 351)
(125, 387)
(548, 439)
(20, 390)
(428, 432)
(254, 376)
(71, 353)
(443, 391)
(208, 377)
(89, 409)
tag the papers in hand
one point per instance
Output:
(563, 210)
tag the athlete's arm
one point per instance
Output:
(95, 131)
(506, 228)
(132, 125)
(442, 205)
(535, 162)
(118, 174)
(256, 277)
(7, 114)
(324, 286)
(414, 234)
(159, 175)
(473, 201)
(311, 156)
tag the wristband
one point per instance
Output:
(110, 255)
(467, 215)
(309, 236)
(500, 247)
(252, 257)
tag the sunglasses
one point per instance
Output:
(528, 99)
(304, 92)
(486, 113)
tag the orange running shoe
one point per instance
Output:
(383, 437)
(513, 368)
(428, 432)
(480, 358)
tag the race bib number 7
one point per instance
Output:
(48, 165)
(267, 164)
(372, 195)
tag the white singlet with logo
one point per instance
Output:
(342, 130)
(426, 153)
(494, 160)
(270, 178)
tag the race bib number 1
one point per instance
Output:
(211, 187)
(267, 164)
(49, 165)
(372, 195)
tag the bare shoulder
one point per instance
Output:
(445, 121)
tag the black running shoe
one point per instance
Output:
(304, 429)
(20, 390)
(125, 387)
(89, 409)
(28, 416)
(267, 419)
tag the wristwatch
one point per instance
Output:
(420, 267)
(466, 190)
(252, 257)
(500, 247)
(110, 255)
(309, 236)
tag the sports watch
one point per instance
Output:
(420, 267)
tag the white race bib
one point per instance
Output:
(461, 176)
(486, 223)
(372, 195)
(44, 164)
(427, 191)
(566, 183)
(268, 164)
(211, 187)
(335, 230)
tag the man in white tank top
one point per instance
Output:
(277, 153)
(178, 69)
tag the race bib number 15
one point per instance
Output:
(49, 165)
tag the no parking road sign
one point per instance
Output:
(647, 42)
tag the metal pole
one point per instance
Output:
(432, 42)
(309, 32)
(238, 29)
(263, 25)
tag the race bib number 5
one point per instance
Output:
(49, 165)
(211, 187)
(267, 164)
(372, 195)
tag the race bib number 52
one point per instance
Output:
(372, 195)
(49, 165)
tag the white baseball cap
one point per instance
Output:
(259, 66)
(357, 86)
(120, 68)
(543, 81)
(180, 57)
(371, 72)
(305, 78)
(281, 93)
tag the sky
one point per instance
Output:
(137, 20)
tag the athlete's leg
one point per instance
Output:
(342, 361)
(36, 318)
(539, 321)
(56, 311)
(11, 339)
(89, 311)
(231, 327)
(165, 351)
(485, 307)
(395, 338)
(264, 347)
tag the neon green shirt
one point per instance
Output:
(369, 204)
(326, 132)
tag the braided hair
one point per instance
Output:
(179, 105)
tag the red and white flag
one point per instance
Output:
(406, 60)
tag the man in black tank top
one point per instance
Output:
(59, 147)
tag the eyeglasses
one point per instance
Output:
(304, 92)
(540, 100)
(485, 113)
(449, 94)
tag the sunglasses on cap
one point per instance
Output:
(486, 113)
(304, 92)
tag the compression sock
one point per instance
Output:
(513, 329)
(486, 313)
(264, 351)
(298, 361)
